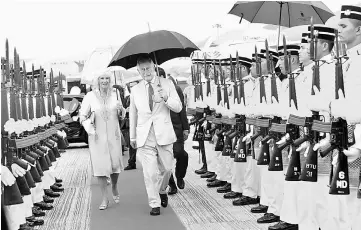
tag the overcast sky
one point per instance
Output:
(52, 29)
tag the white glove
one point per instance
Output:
(304, 147)
(283, 139)
(352, 154)
(17, 170)
(6, 176)
(247, 138)
(317, 102)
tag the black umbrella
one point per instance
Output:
(162, 44)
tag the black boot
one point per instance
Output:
(226, 188)
(232, 195)
(213, 178)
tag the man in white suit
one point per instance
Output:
(151, 130)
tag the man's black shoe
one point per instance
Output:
(201, 171)
(207, 175)
(43, 206)
(35, 222)
(26, 226)
(164, 200)
(180, 183)
(155, 212)
(224, 189)
(56, 188)
(245, 200)
(259, 209)
(48, 199)
(37, 212)
(283, 226)
(172, 190)
(232, 195)
(268, 218)
(130, 167)
(216, 183)
(58, 185)
(51, 193)
(213, 178)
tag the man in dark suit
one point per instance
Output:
(181, 129)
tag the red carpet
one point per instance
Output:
(132, 213)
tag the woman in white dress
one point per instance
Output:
(105, 145)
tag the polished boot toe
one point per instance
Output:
(211, 179)
(51, 193)
(232, 195)
(283, 226)
(207, 175)
(224, 189)
(245, 200)
(201, 171)
(58, 185)
(56, 188)
(48, 199)
(37, 212)
(259, 209)
(216, 183)
(268, 218)
(155, 212)
(43, 206)
(180, 183)
(164, 200)
(36, 222)
(172, 191)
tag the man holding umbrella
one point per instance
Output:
(151, 130)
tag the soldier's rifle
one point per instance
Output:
(271, 71)
(239, 78)
(217, 80)
(290, 74)
(234, 78)
(260, 76)
(222, 75)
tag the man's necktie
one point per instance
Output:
(150, 96)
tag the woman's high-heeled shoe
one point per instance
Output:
(116, 199)
(104, 206)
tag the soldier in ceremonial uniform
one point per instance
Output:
(238, 181)
(316, 211)
(350, 34)
(291, 189)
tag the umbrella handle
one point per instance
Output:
(155, 60)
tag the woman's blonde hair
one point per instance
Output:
(109, 74)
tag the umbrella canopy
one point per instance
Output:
(165, 45)
(282, 13)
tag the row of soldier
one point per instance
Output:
(32, 139)
(291, 141)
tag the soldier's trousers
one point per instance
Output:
(225, 169)
(238, 173)
(251, 178)
(211, 156)
(291, 194)
(275, 192)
